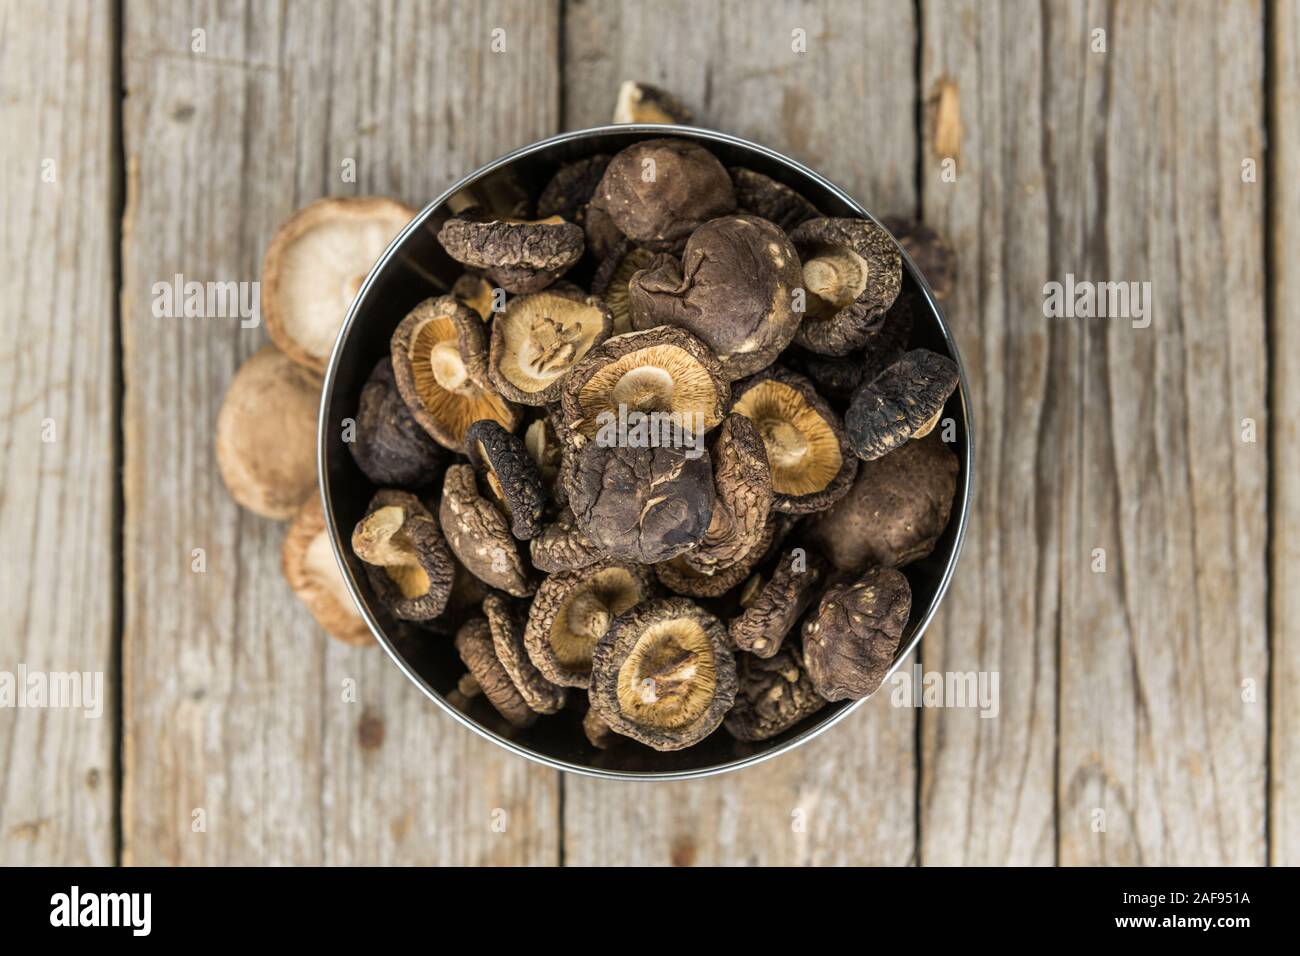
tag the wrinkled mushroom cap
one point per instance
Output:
(389, 445)
(850, 643)
(309, 565)
(773, 695)
(315, 266)
(563, 546)
(681, 577)
(734, 290)
(519, 255)
(663, 674)
(763, 196)
(661, 370)
(839, 376)
(407, 559)
(571, 188)
(477, 651)
(479, 536)
(770, 607)
(642, 504)
(742, 484)
(811, 465)
(510, 474)
(507, 627)
(643, 103)
(539, 338)
(901, 403)
(659, 191)
(929, 250)
(895, 511)
(266, 435)
(614, 274)
(852, 273)
(573, 610)
(439, 361)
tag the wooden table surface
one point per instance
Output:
(1148, 713)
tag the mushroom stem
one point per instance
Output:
(669, 676)
(380, 541)
(588, 616)
(644, 389)
(468, 686)
(786, 445)
(448, 367)
(837, 275)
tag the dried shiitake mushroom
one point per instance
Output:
(894, 513)
(742, 484)
(309, 566)
(518, 255)
(901, 403)
(406, 557)
(266, 435)
(812, 467)
(838, 376)
(773, 695)
(772, 605)
(476, 649)
(573, 610)
(680, 577)
(642, 504)
(544, 447)
(539, 337)
(510, 474)
(440, 363)
(852, 273)
(315, 266)
(479, 534)
(615, 272)
(660, 370)
(763, 196)
(507, 626)
(389, 446)
(659, 191)
(563, 546)
(643, 103)
(850, 643)
(663, 674)
(734, 290)
(475, 292)
(598, 733)
(930, 251)
(571, 188)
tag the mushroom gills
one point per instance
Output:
(802, 448)
(379, 540)
(668, 678)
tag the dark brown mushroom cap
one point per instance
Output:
(896, 510)
(439, 354)
(812, 465)
(852, 273)
(478, 534)
(772, 607)
(659, 191)
(567, 193)
(663, 674)
(839, 376)
(309, 565)
(406, 557)
(510, 474)
(734, 290)
(850, 643)
(682, 578)
(660, 370)
(742, 483)
(614, 274)
(598, 733)
(642, 504)
(573, 610)
(389, 445)
(507, 627)
(929, 250)
(538, 339)
(643, 103)
(563, 546)
(519, 256)
(901, 403)
(475, 647)
(763, 196)
(773, 695)
(475, 292)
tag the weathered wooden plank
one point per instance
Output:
(1114, 163)
(844, 107)
(57, 493)
(235, 701)
(1283, 170)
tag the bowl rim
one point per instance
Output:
(336, 542)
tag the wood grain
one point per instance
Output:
(235, 701)
(1283, 171)
(844, 107)
(57, 393)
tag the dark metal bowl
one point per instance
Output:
(415, 267)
